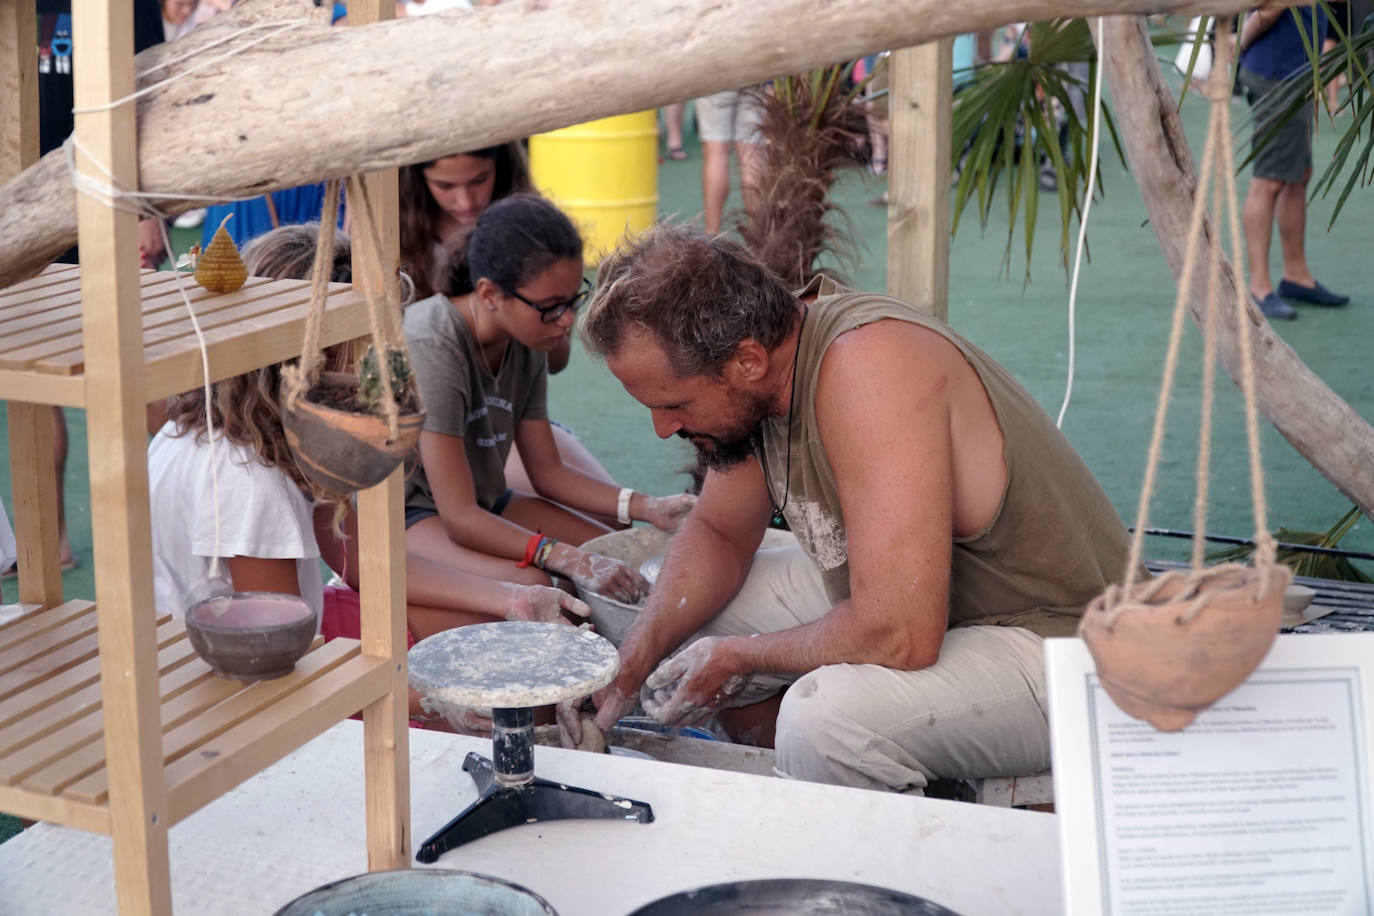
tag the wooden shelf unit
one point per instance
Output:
(108, 720)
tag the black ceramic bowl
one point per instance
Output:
(251, 636)
(793, 897)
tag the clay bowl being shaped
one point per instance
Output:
(419, 891)
(634, 547)
(793, 897)
(251, 636)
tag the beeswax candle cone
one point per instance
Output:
(220, 269)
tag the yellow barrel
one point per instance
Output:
(604, 174)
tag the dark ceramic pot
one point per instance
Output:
(251, 636)
(345, 451)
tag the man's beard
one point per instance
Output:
(730, 449)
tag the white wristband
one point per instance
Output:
(622, 505)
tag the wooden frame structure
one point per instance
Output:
(108, 720)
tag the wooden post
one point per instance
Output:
(919, 175)
(381, 566)
(103, 44)
(34, 504)
(18, 87)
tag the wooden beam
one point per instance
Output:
(922, 89)
(337, 104)
(103, 40)
(382, 549)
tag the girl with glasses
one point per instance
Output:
(440, 202)
(480, 357)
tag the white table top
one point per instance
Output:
(299, 824)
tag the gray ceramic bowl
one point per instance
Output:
(634, 546)
(419, 892)
(251, 636)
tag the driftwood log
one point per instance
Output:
(320, 102)
(1314, 419)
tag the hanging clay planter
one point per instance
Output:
(1168, 648)
(341, 446)
(350, 432)
(1176, 644)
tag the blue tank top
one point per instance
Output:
(1281, 52)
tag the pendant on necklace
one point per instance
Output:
(777, 516)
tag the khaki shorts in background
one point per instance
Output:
(731, 116)
(1286, 155)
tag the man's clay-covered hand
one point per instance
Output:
(691, 684)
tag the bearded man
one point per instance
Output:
(945, 526)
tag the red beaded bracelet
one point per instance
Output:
(531, 546)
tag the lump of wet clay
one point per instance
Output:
(592, 738)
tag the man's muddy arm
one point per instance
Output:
(705, 567)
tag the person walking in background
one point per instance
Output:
(1272, 49)
(725, 121)
(672, 127)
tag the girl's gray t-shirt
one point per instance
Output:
(462, 398)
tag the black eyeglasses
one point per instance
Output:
(548, 314)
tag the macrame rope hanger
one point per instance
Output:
(383, 311)
(1216, 165)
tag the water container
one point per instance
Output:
(603, 174)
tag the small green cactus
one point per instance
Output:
(370, 380)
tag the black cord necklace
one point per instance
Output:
(791, 405)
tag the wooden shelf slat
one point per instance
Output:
(64, 754)
(55, 346)
(78, 636)
(66, 696)
(52, 744)
(22, 803)
(34, 622)
(196, 716)
(41, 355)
(232, 757)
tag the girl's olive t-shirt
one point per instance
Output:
(462, 398)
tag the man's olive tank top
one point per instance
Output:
(1056, 540)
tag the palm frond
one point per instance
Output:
(1304, 563)
(1006, 121)
(813, 123)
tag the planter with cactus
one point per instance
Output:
(339, 429)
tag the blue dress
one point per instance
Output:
(252, 218)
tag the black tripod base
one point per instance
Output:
(499, 807)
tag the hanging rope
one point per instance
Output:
(1200, 584)
(383, 313)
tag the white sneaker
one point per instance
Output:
(190, 219)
